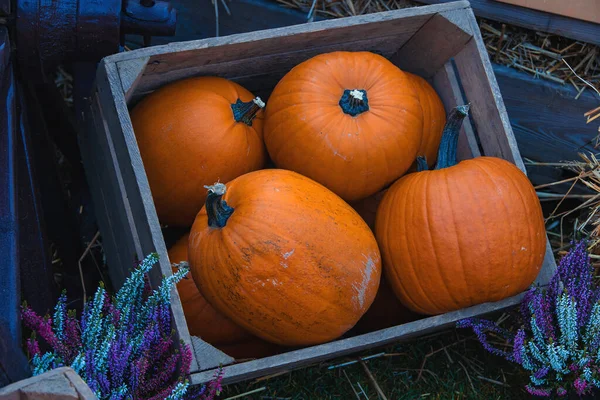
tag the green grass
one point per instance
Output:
(443, 376)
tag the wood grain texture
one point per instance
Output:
(434, 44)
(317, 32)
(532, 19)
(209, 356)
(130, 73)
(448, 88)
(315, 354)
(547, 121)
(488, 112)
(274, 65)
(60, 383)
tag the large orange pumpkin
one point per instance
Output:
(434, 118)
(463, 234)
(349, 120)
(192, 133)
(202, 319)
(284, 257)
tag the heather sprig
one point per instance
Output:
(559, 342)
(123, 346)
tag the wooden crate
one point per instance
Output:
(440, 42)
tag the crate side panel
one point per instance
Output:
(275, 65)
(93, 162)
(264, 38)
(112, 216)
(448, 88)
(311, 355)
(137, 191)
(487, 107)
(434, 44)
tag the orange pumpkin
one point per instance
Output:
(434, 118)
(192, 133)
(385, 312)
(349, 120)
(202, 319)
(284, 258)
(463, 234)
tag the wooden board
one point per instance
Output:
(586, 10)
(533, 19)
(261, 58)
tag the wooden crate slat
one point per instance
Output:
(487, 108)
(447, 86)
(429, 49)
(324, 29)
(143, 219)
(315, 354)
(277, 63)
(130, 73)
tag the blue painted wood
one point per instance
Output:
(13, 364)
(547, 120)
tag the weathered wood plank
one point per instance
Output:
(209, 356)
(59, 383)
(130, 73)
(265, 64)
(447, 87)
(311, 355)
(102, 177)
(488, 112)
(141, 213)
(547, 120)
(434, 44)
(532, 19)
(317, 31)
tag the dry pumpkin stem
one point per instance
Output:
(216, 208)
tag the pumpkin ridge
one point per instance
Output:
(433, 246)
(484, 227)
(416, 277)
(528, 211)
(507, 219)
(458, 242)
(405, 249)
(295, 132)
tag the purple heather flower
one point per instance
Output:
(519, 346)
(480, 327)
(33, 347)
(538, 391)
(122, 347)
(561, 391)
(581, 386)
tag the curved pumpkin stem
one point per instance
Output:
(246, 111)
(354, 102)
(216, 208)
(449, 142)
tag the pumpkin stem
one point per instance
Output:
(449, 142)
(354, 102)
(422, 164)
(216, 208)
(246, 111)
